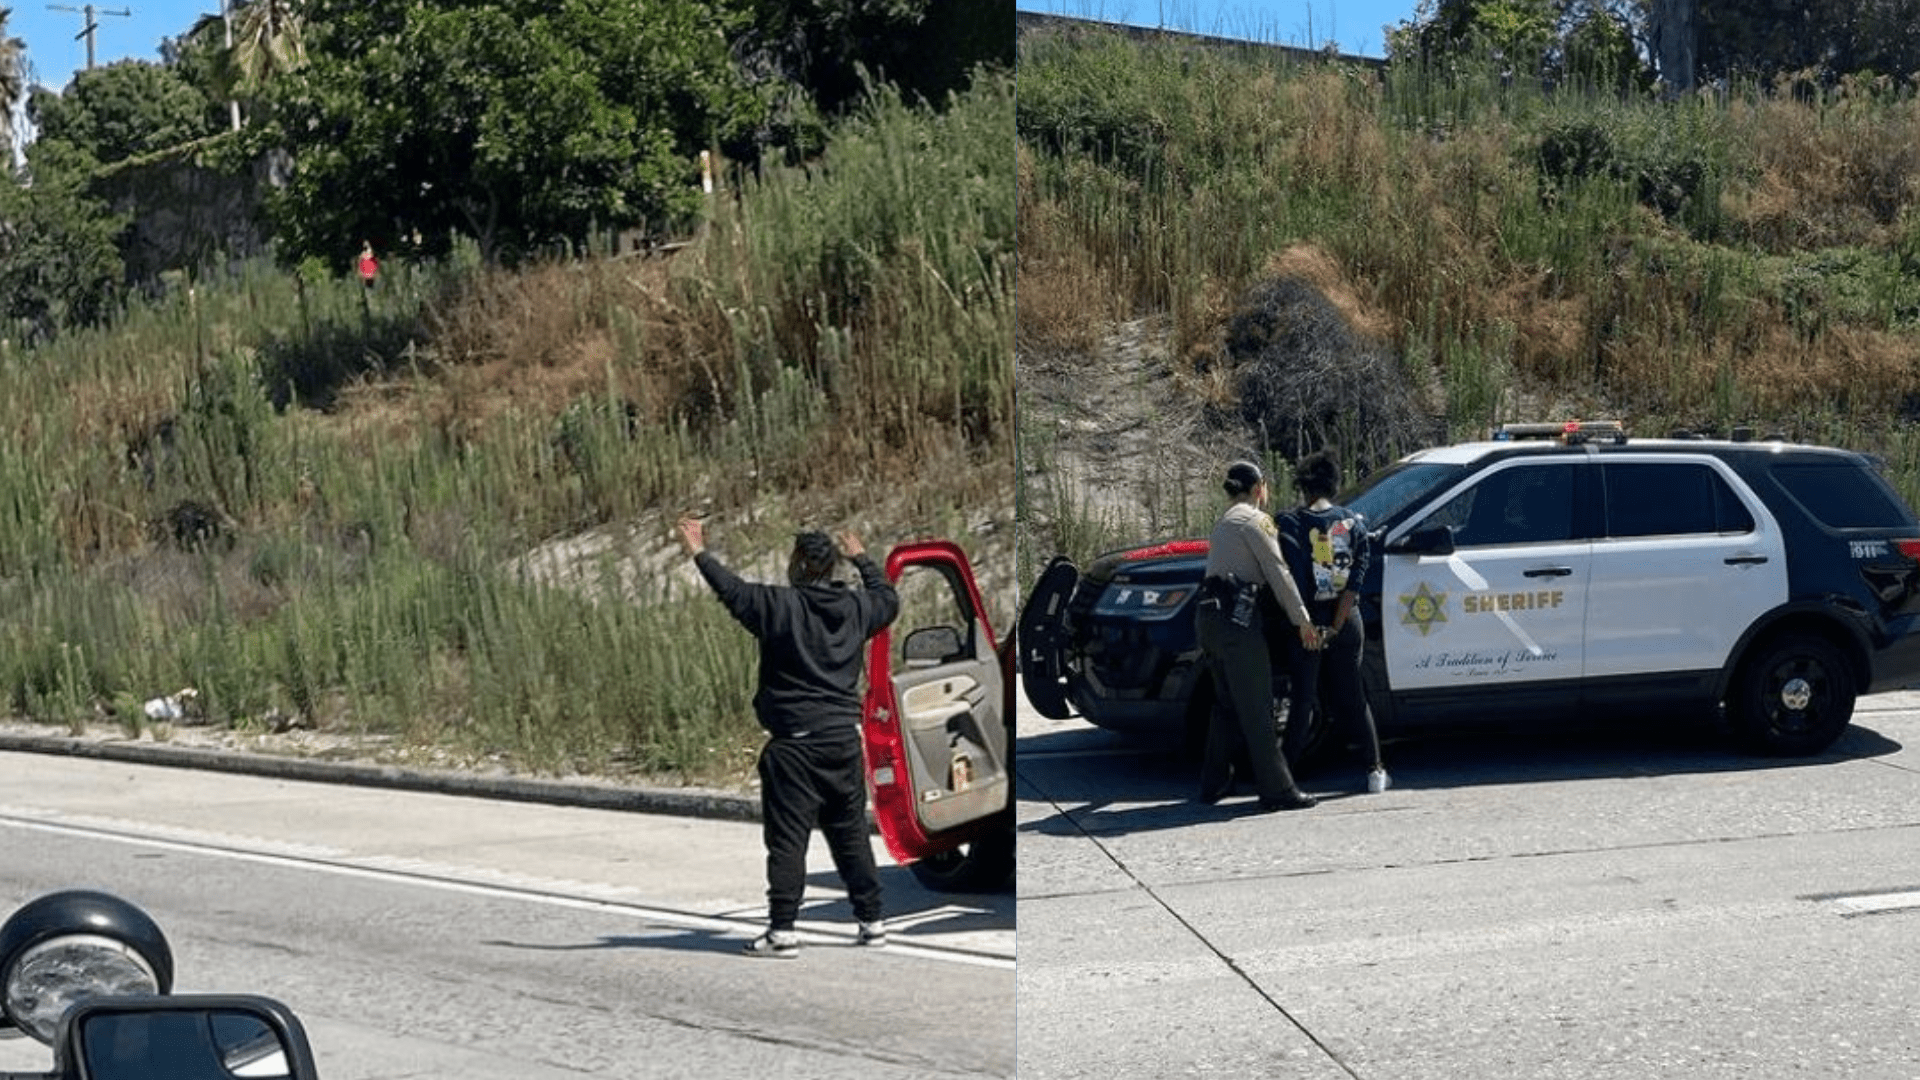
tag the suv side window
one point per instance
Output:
(1526, 504)
(1671, 499)
(1843, 495)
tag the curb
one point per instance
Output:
(683, 802)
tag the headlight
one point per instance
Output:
(1142, 602)
(67, 947)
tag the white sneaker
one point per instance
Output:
(778, 944)
(1378, 781)
(873, 934)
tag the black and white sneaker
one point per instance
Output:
(873, 934)
(779, 944)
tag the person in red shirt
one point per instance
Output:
(369, 266)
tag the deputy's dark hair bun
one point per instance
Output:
(1241, 478)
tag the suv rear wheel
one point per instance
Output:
(1793, 696)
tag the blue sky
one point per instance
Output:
(53, 53)
(1354, 24)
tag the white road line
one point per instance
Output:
(533, 893)
(1877, 904)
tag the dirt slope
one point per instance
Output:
(1117, 446)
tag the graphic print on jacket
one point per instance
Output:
(1332, 558)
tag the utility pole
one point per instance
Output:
(86, 32)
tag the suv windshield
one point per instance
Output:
(1387, 494)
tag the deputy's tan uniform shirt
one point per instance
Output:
(1246, 544)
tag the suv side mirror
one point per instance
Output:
(1437, 540)
(183, 1037)
(931, 645)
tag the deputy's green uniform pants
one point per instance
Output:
(1242, 672)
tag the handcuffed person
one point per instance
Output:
(1326, 550)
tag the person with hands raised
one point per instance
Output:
(812, 633)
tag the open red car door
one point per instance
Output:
(938, 726)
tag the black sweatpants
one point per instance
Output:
(816, 780)
(1331, 678)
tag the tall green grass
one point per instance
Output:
(310, 500)
(1736, 257)
(1181, 172)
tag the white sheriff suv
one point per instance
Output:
(1557, 571)
(1600, 573)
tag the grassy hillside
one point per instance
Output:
(315, 503)
(1746, 257)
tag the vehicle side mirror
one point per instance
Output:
(932, 645)
(1437, 540)
(183, 1037)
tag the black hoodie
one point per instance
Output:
(811, 637)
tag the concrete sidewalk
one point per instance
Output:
(584, 792)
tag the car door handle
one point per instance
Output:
(1549, 571)
(1745, 560)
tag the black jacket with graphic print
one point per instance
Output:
(1327, 552)
(811, 639)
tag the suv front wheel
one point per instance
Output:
(1200, 713)
(1792, 697)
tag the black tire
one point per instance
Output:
(1792, 697)
(1193, 728)
(985, 865)
(1306, 756)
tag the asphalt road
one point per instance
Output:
(433, 936)
(1593, 906)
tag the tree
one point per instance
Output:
(112, 113)
(1523, 34)
(13, 79)
(59, 266)
(61, 261)
(1756, 37)
(814, 59)
(1886, 37)
(1598, 49)
(268, 43)
(199, 58)
(520, 123)
(1671, 39)
(1765, 38)
(927, 48)
(1517, 28)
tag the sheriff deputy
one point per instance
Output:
(1245, 570)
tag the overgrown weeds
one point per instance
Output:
(308, 499)
(1738, 256)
